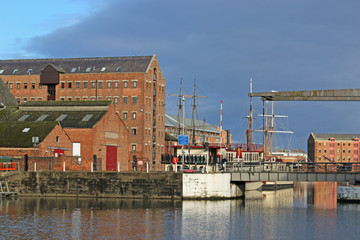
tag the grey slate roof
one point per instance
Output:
(65, 65)
(13, 133)
(172, 121)
(337, 136)
(81, 114)
(6, 97)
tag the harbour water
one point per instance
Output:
(308, 211)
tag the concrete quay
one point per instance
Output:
(131, 185)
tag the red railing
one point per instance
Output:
(10, 166)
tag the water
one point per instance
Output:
(309, 211)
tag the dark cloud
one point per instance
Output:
(283, 45)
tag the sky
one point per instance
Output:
(283, 45)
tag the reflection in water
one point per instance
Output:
(309, 211)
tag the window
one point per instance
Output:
(324, 150)
(109, 84)
(39, 98)
(15, 71)
(100, 98)
(10, 85)
(17, 85)
(125, 84)
(85, 84)
(77, 84)
(125, 115)
(73, 70)
(319, 144)
(29, 71)
(118, 69)
(93, 84)
(125, 100)
(103, 69)
(88, 69)
(62, 99)
(1, 71)
(40, 85)
(134, 84)
(109, 98)
(69, 84)
(134, 115)
(25, 99)
(349, 151)
(134, 148)
(62, 85)
(25, 85)
(69, 98)
(100, 84)
(134, 99)
(134, 131)
(116, 84)
(57, 139)
(85, 99)
(344, 151)
(116, 100)
(32, 85)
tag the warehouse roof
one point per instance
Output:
(337, 136)
(76, 65)
(172, 121)
(76, 114)
(19, 134)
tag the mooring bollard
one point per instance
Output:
(118, 167)
(64, 166)
(92, 167)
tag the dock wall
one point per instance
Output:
(165, 185)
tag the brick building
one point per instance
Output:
(333, 147)
(16, 141)
(96, 131)
(134, 84)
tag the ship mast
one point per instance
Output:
(249, 131)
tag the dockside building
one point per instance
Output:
(135, 85)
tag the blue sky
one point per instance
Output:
(282, 44)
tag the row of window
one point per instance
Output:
(97, 84)
(32, 85)
(147, 148)
(100, 98)
(338, 159)
(349, 144)
(338, 151)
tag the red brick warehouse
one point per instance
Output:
(134, 84)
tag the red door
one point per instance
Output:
(111, 158)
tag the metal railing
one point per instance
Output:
(290, 167)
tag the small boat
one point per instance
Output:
(275, 185)
(249, 186)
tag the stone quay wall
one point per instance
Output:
(155, 185)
